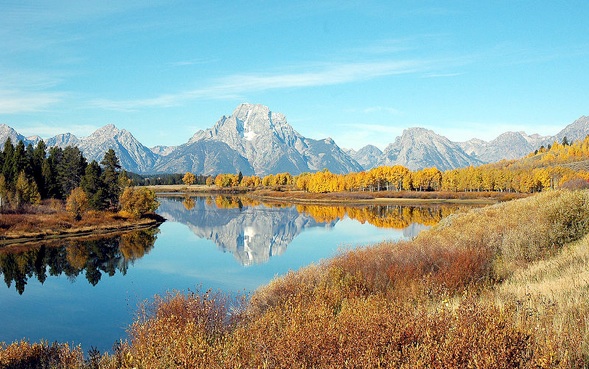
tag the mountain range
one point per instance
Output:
(255, 140)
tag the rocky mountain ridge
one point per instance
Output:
(255, 140)
(417, 148)
(271, 145)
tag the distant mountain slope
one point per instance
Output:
(575, 131)
(163, 150)
(63, 140)
(509, 145)
(514, 145)
(368, 156)
(419, 148)
(204, 157)
(132, 154)
(8, 132)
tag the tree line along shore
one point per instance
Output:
(560, 165)
(37, 180)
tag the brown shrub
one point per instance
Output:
(181, 331)
(39, 355)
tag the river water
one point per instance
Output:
(87, 292)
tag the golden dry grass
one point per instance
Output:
(46, 222)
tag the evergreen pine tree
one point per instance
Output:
(8, 165)
(37, 159)
(93, 185)
(70, 170)
(3, 192)
(49, 172)
(21, 162)
(110, 178)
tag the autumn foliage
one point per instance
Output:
(450, 298)
(138, 201)
(503, 286)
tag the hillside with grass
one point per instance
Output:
(503, 286)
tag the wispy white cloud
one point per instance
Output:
(48, 131)
(234, 85)
(15, 102)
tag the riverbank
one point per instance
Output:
(286, 194)
(383, 197)
(19, 229)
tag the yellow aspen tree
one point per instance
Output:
(77, 203)
(189, 179)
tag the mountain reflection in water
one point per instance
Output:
(73, 257)
(254, 232)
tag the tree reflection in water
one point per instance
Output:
(73, 257)
(383, 216)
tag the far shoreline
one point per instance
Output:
(284, 194)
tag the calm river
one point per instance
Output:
(87, 292)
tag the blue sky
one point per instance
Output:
(357, 71)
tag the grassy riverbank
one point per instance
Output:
(288, 194)
(51, 221)
(505, 286)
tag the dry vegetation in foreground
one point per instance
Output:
(499, 287)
